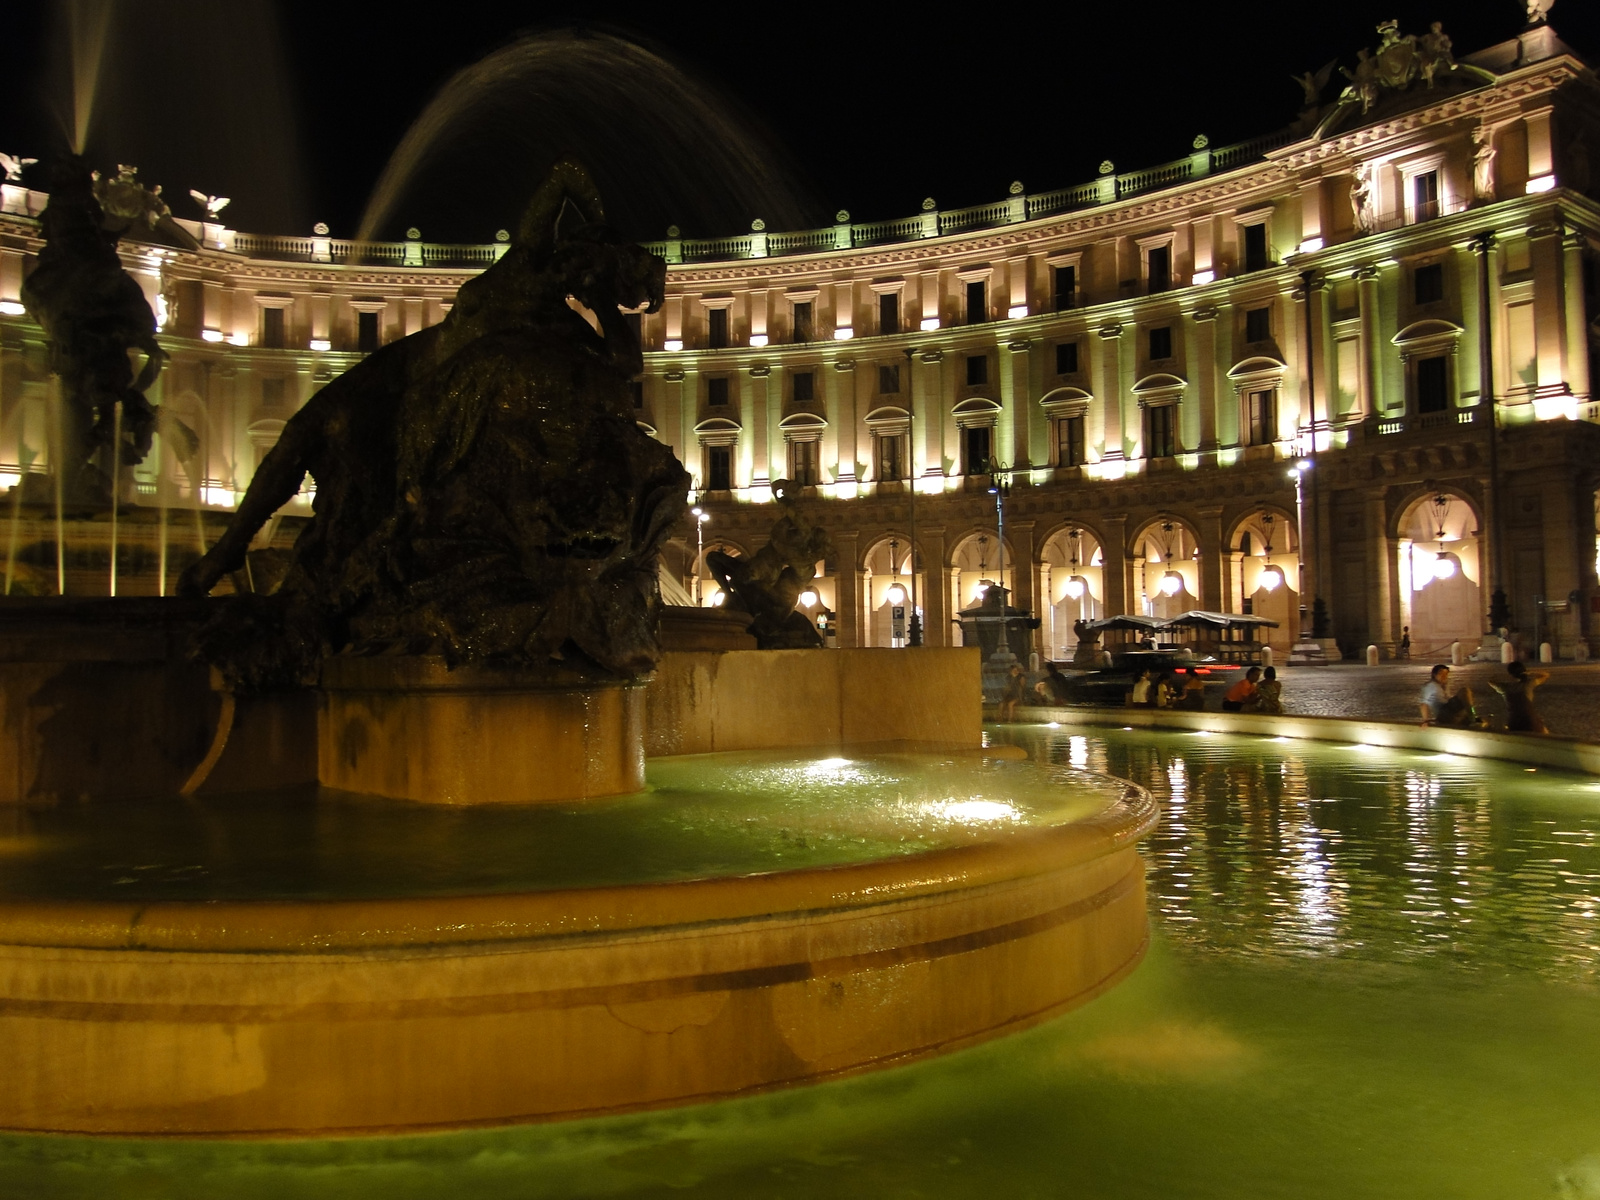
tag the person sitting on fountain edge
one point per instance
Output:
(1439, 707)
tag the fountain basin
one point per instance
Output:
(412, 729)
(366, 1015)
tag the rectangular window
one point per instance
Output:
(889, 381)
(1433, 384)
(889, 458)
(805, 387)
(717, 330)
(1069, 442)
(1161, 342)
(889, 313)
(719, 468)
(1158, 431)
(1066, 358)
(975, 450)
(1066, 287)
(1429, 283)
(1258, 324)
(717, 392)
(802, 322)
(366, 332)
(272, 394)
(977, 370)
(977, 302)
(1255, 247)
(1425, 196)
(1159, 268)
(803, 460)
(1263, 417)
(272, 328)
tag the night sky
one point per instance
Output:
(293, 108)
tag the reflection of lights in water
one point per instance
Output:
(1052, 724)
(976, 812)
(1078, 751)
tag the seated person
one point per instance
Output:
(1439, 707)
(1269, 694)
(1234, 699)
(1194, 692)
(1140, 696)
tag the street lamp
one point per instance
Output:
(911, 469)
(1298, 473)
(700, 519)
(1000, 488)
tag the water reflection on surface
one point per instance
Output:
(1276, 847)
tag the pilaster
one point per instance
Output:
(1205, 374)
(1576, 350)
(1108, 390)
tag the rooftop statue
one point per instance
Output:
(483, 490)
(93, 313)
(128, 204)
(767, 585)
(1400, 61)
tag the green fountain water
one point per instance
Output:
(1374, 974)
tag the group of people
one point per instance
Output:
(1259, 690)
(1456, 710)
(1256, 691)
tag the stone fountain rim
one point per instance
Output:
(411, 924)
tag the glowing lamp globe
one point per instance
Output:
(808, 598)
(1171, 583)
(1075, 588)
(1444, 566)
(896, 594)
(1271, 577)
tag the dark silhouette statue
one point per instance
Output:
(93, 313)
(483, 491)
(767, 585)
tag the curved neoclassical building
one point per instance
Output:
(1371, 331)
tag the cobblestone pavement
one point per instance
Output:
(1569, 702)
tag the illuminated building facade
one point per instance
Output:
(1142, 361)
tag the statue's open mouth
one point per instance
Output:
(583, 547)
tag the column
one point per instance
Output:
(1577, 341)
(1381, 557)
(1544, 247)
(842, 420)
(1020, 535)
(757, 423)
(1108, 389)
(847, 589)
(1205, 374)
(1213, 559)
(1114, 572)
(934, 588)
(1015, 397)
(1367, 287)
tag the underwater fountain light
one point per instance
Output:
(238, 339)
(11, 308)
(320, 345)
(673, 345)
(211, 335)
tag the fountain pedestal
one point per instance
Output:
(409, 728)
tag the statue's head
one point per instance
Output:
(564, 248)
